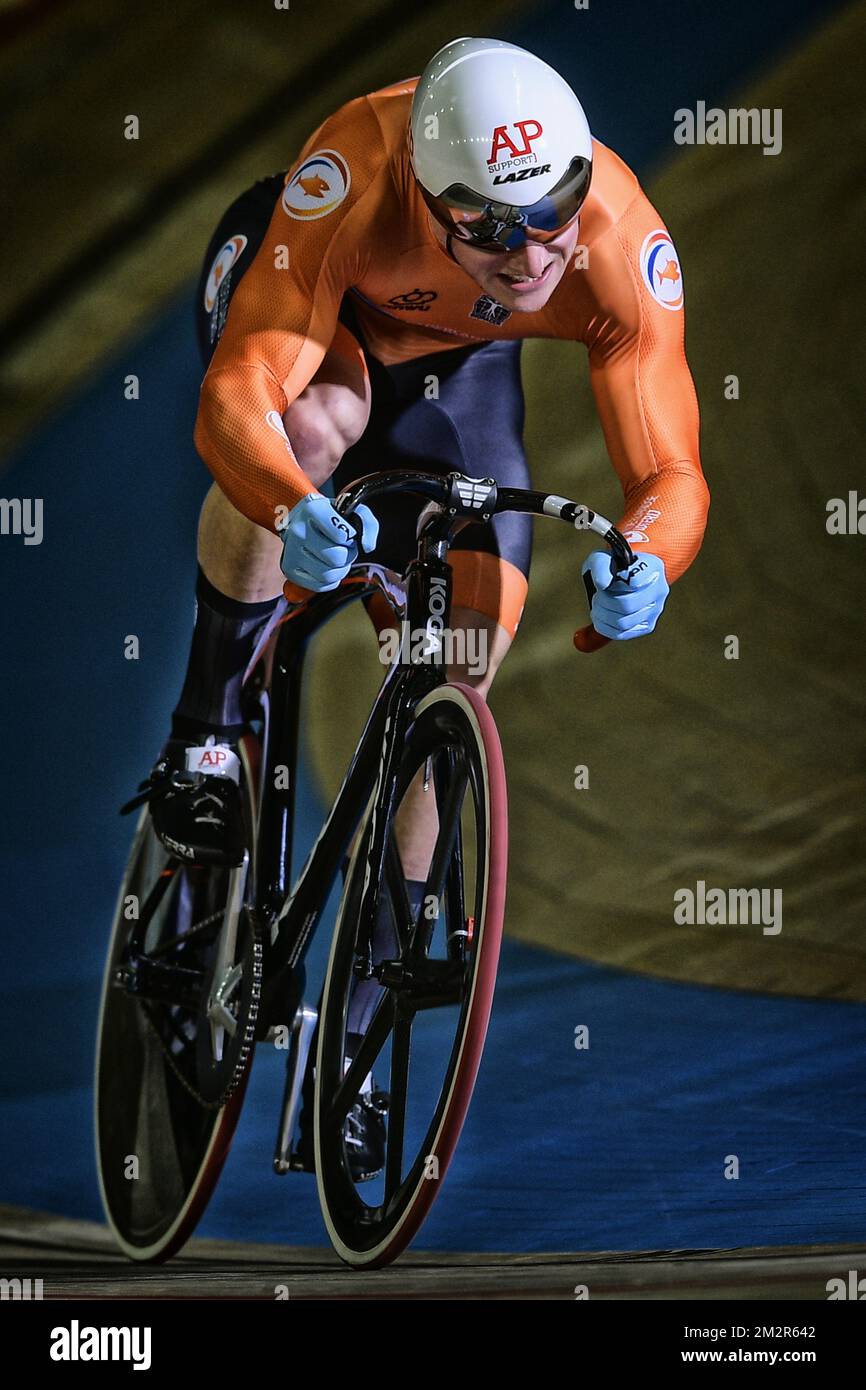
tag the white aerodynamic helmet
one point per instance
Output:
(500, 144)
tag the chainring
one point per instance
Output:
(210, 1082)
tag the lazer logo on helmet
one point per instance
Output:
(503, 141)
(518, 175)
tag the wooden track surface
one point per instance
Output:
(77, 1259)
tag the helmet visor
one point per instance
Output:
(490, 226)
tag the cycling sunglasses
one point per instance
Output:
(498, 227)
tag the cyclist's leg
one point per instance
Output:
(239, 582)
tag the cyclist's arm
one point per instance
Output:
(280, 324)
(645, 395)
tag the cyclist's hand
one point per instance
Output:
(319, 545)
(628, 605)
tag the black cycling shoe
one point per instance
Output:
(195, 803)
(363, 1135)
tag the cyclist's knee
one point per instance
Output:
(240, 558)
(479, 645)
(322, 424)
(489, 593)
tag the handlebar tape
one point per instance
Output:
(586, 639)
(294, 593)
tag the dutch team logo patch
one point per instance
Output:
(660, 267)
(220, 269)
(319, 186)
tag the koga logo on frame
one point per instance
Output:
(77, 1343)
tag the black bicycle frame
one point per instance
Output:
(289, 915)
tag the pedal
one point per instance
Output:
(299, 1164)
(300, 1038)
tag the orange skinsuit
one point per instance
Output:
(376, 242)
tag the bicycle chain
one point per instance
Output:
(249, 1027)
(188, 935)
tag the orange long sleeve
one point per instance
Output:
(643, 387)
(284, 313)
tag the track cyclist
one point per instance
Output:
(365, 310)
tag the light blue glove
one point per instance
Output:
(622, 610)
(319, 545)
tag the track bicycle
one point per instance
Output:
(205, 963)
